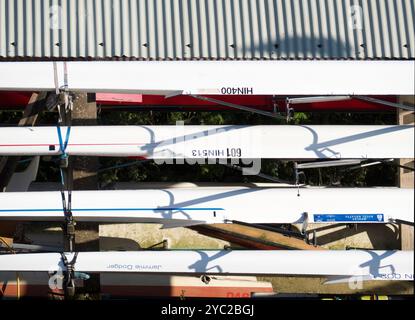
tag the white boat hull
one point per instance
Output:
(214, 142)
(215, 77)
(370, 265)
(200, 205)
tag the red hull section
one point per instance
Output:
(258, 102)
(35, 284)
(13, 291)
(17, 100)
(182, 291)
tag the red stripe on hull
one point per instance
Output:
(17, 100)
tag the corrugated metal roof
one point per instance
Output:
(207, 29)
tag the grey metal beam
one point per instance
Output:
(237, 106)
(386, 103)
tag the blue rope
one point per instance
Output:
(63, 145)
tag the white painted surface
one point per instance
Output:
(192, 142)
(187, 206)
(211, 77)
(376, 265)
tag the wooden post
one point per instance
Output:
(85, 178)
(253, 237)
(405, 176)
(8, 242)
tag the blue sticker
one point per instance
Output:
(349, 217)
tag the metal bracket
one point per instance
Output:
(315, 99)
(32, 247)
(386, 103)
(305, 224)
(261, 175)
(205, 279)
(289, 111)
(69, 224)
(53, 100)
(274, 104)
(403, 222)
(62, 95)
(301, 100)
(368, 164)
(69, 275)
(239, 107)
(353, 163)
(69, 231)
(280, 230)
(173, 94)
(314, 238)
(328, 163)
(298, 174)
(63, 162)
